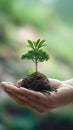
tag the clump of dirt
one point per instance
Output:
(37, 82)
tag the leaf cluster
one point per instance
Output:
(36, 54)
(36, 45)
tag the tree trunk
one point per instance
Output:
(36, 66)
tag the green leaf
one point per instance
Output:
(41, 44)
(30, 44)
(37, 43)
(34, 43)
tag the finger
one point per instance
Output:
(64, 95)
(47, 105)
(30, 105)
(55, 83)
(32, 100)
(34, 103)
(69, 81)
(26, 102)
(4, 85)
(36, 96)
(9, 86)
(19, 82)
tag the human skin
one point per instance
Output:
(41, 102)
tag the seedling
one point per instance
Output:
(36, 81)
(36, 54)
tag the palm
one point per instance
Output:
(41, 101)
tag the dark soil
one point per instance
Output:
(37, 82)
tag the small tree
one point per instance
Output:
(36, 54)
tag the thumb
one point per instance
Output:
(19, 82)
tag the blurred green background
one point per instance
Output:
(21, 20)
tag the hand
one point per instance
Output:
(41, 102)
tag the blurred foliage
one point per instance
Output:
(65, 10)
(21, 20)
